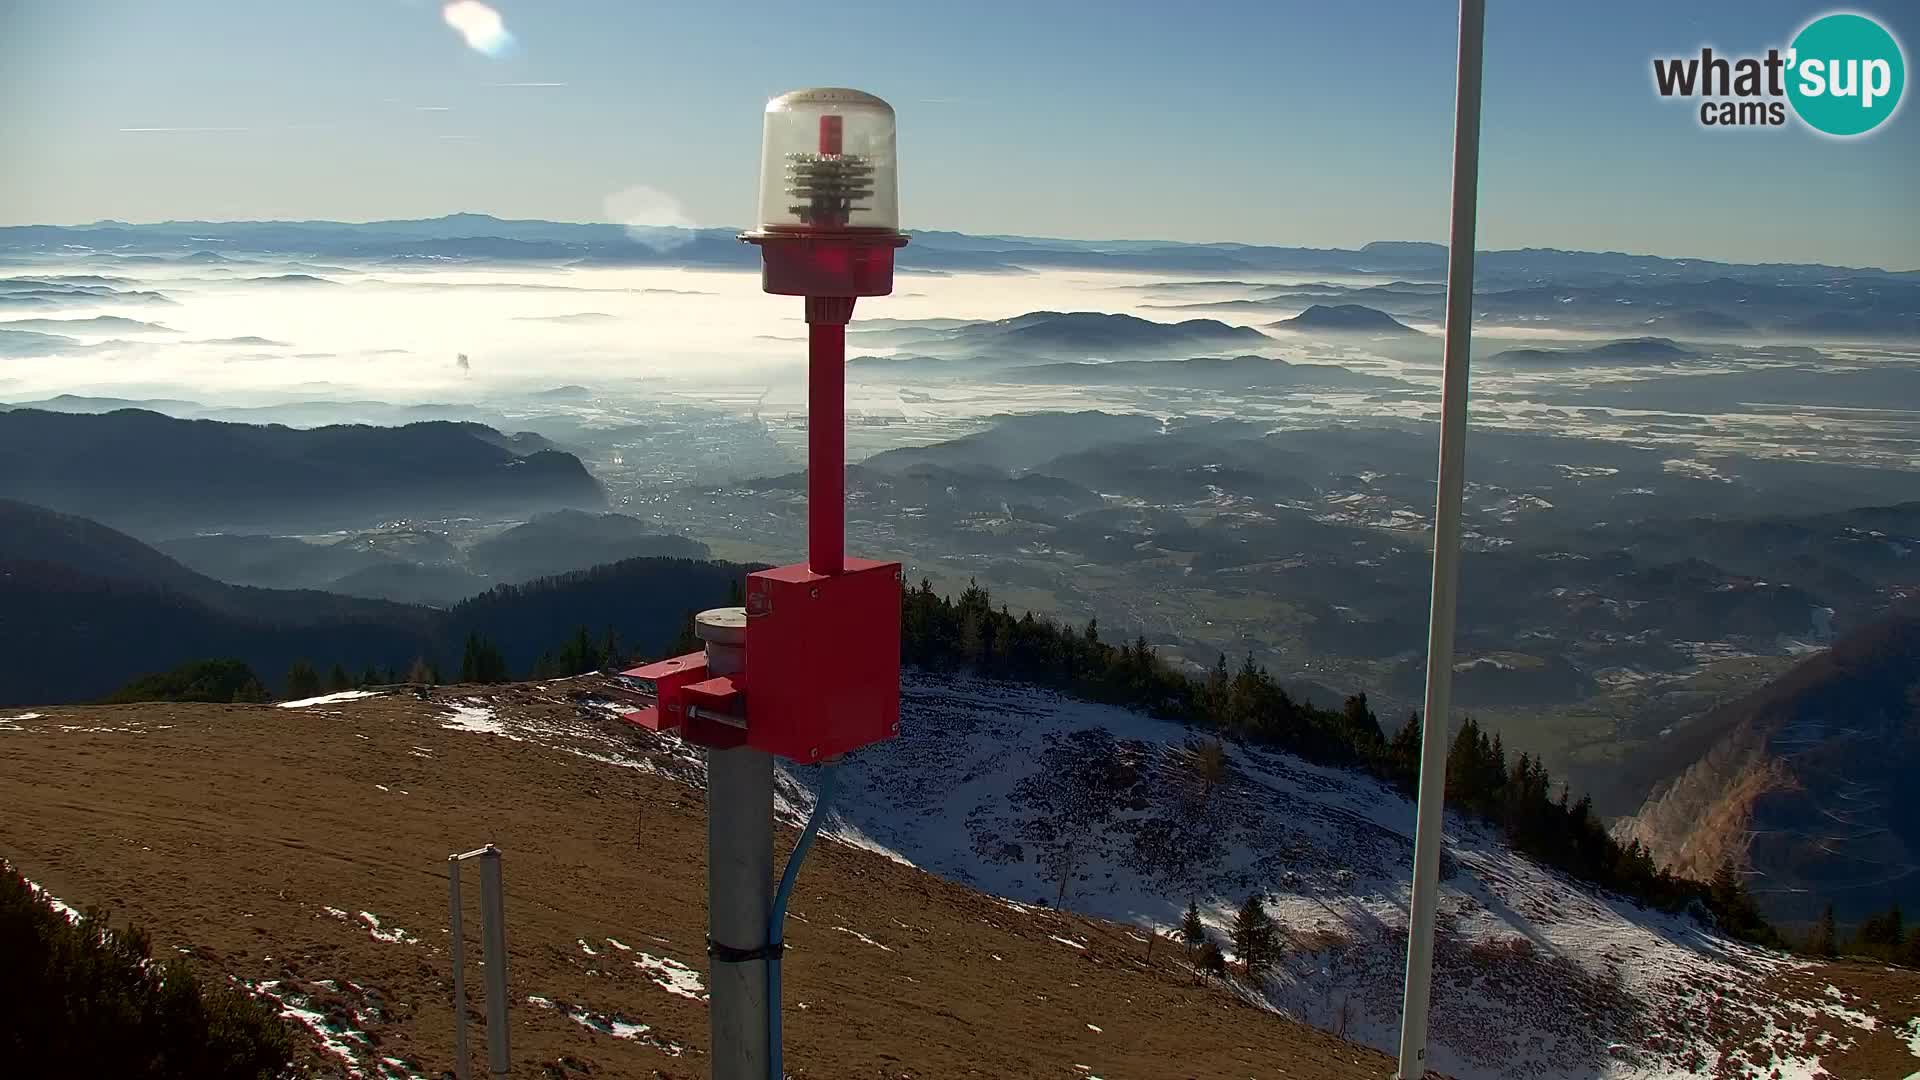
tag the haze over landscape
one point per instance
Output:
(333, 537)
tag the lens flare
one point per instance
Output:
(481, 26)
(652, 217)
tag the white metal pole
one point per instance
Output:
(459, 951)
(739, 874)
(1446, 543)
(493, 939)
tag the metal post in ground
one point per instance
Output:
(459, 951)
(739, 874)
(1427, 832)
(493, 940)
(493, 946)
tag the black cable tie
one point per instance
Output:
(727, 954)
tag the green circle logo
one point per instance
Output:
(1845, 74)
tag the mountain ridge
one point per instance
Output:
(153, 473)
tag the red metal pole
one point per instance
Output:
(827, 432)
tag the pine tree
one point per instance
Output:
(972, 646)
(687, 641)
(1192, 931)
(1826, 936)
(370, 677)
(338, 679)
(422, 673)
(1883, 933)
(1254, 936)
(1212, 960)
(1403, 753)
(302, 680)
(482, 662)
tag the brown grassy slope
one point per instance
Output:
(229, 830)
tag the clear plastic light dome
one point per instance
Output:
(827, 164)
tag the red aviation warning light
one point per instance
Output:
(819, 657)
(809, 668)
(829, 195)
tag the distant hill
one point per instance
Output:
(1806, 781)
(152, 473)
(1897, 325)
(435, 585)
(80, 403)
(569, 540)
(98, 324)
(30, 343)
(570, 392)
(579, 318)
(484, 238)
(30, 534)
(1080, 334)
(1345, 319)
(1700, 321)
(1211, 372)
(1405, 249)
(1017, 441)
(1643, 350)
(272, 562)
(85, 609)
(293, 280)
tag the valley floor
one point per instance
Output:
(301, 851)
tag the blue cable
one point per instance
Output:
(779, 918)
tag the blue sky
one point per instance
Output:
(1322, 124)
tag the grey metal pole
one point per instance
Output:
(739, 872)
(459, 951)
(1427, 833)
(493, 939)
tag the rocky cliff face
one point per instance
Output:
(1808, 785)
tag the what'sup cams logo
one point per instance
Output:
(1843, 76)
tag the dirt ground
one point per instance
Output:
(255, 837)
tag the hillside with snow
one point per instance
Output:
(1008, 789)
(1037, 801)
(1046, 801)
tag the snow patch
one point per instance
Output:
(395, 934)
(1068, 941)
(338, 1039)
(610, 1024)
(72, 913)
(478, 719)
(329, 699)
(863, 937)
(672, 976)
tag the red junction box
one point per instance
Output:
(823, 659)
(681, 683)
(668, 677)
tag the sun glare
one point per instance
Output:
(479, 25)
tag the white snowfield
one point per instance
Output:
(1045, 801)
(329, 699)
